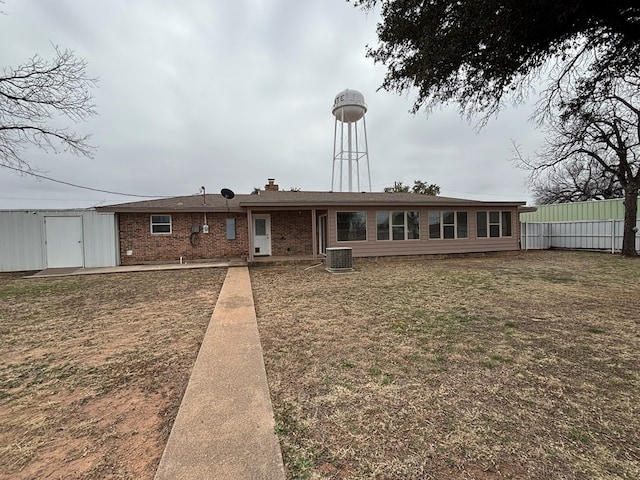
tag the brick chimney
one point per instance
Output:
(271, 186)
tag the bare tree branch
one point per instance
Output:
(34, 97)
(592, 149)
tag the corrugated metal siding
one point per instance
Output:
(590, 235)
(570, 212)
(22, 239)
(424, 246)
(100, 240)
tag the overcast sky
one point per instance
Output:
(225, 94)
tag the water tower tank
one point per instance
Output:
(349, 106)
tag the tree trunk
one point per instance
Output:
(630, 218)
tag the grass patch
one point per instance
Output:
(29, 290)
(494, 367)
(94, 368)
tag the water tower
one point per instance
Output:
(350, 151)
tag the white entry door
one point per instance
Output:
(64, 242)
(262, 235)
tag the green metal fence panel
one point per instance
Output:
(578, 211)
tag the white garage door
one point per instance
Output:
(64, 242)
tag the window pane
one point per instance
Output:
(447, 218)
(160, 219)
(231, 228)
(398, 233)
(261, 226)
(382, 225)
(494, 217)
(481, 222)
(462, 224)
(449, 231)
(161, 228)
(506, 224)
(397, 218)
(434, 224)
(413, 225)
(352, 226)
(494, 230)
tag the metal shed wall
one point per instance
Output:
(22, 238)
(578, 211)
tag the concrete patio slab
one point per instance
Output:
(225, 427)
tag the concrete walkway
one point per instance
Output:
(225, 427)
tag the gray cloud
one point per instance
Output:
(226, 94)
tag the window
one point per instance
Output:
(382, 225)
(413, 225)
(404, 225)
(231, 228)
(494, 223)
(506, 224)
(160, 223)
(481, 223)
(447, 224)
(434, 224)
(260, 227)
(352, 226)
(462, 225)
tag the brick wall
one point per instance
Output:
(291, 233)
(135, 235)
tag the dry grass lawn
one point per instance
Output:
(514, 366)
(94, 368)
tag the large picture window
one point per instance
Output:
(494, 224)
(447, 224)
(160, 223)
(397, 225)
(352, 226)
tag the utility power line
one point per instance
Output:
(81, 186)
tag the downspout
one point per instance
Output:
(613, 236)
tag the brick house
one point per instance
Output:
(297, 223)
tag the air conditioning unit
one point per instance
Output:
(339, 259)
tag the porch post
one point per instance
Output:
(250, 233)
(314, 233)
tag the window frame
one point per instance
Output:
(153, 224)
(366, 233)
(443, 227)
(504, 223)
(390, 225)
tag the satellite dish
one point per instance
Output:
(226, 193)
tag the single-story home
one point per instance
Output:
(300, 223)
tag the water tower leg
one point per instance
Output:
(366, 150)
(333, 166)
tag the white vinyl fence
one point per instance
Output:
(588, 235)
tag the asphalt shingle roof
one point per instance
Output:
(216, 202)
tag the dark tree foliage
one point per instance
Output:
(419, 187)
(33, 98)
(474, 52)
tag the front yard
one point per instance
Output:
(505, 366)
(514, 366)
